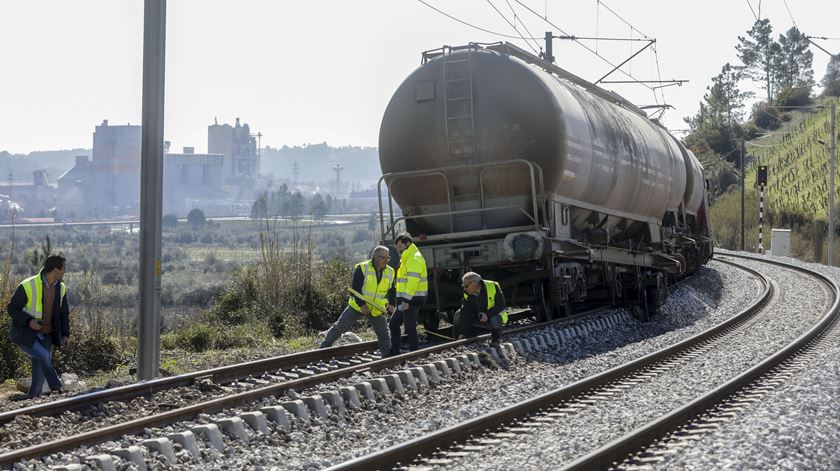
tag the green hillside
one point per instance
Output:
(796, 196)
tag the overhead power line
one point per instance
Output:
(789, 13)
(512, 25)
(470, 24)
(577, 41)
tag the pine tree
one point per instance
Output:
(794, 63)
(831, 81)
(758, 53)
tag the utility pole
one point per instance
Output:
(151, 192)
(743, 156)
(831, 150)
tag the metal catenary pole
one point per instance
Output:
(151, 192)
(742, 193)
(832, 150)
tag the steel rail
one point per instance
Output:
(621, 448)
(135, 426)
(407, 452)
(221, 375)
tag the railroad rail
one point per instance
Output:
(289, 366)
(650, 442)
(136, 426)
(467, 436)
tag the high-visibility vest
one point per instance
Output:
(411, 276)
(373, 290)
(491, 287)
(33, 284)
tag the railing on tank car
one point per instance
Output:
(443, 50)
(536, 186)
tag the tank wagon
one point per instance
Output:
(563, 192)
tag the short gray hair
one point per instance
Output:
(379, 249)
(469, 277)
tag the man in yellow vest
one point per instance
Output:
(372, 296)
(41, 319)
(483, 306)
(412, 288)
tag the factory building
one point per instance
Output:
(241, 156)
(116, 170)
(188, 177)
(35, 199)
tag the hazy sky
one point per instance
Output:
(317, 70)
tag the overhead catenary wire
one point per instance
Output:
(752, 10)
(516, 17)
(573, 38)
(512, 25)
(654, 52)
(789, 13)
(470, 24)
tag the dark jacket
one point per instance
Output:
(359, 285)
(477, 303)
(22, 334)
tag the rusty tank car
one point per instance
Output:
(561, 191)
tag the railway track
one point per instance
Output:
(484, 437)
(266, 378)
(294, 412)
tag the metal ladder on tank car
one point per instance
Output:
(458, 108)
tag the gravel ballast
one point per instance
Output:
(716, 294)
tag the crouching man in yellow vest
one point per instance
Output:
(483, 306)
(40, 319)
(374, 281)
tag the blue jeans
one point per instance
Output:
(42, 367)
(348, 318)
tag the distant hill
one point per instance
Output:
(796, 196)
(315, 162)
(55, 162)
(798, 163)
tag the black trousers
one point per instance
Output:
(409, 318)
(468, 324)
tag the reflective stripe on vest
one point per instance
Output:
(33, 284)
(491, 287)
(412, 267)
(373, 290)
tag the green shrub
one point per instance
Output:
(766, 117)
(201, 337)
(797, 96)
(12, 358)
(88, 354)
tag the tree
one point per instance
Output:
(715, 126)
(293, 206)
(170, 221)
(758, 53)
(831, 81)
(794, 61)
(196, 218)
(318, 207)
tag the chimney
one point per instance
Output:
(166, 145)
(104, 122)
(237, 122)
